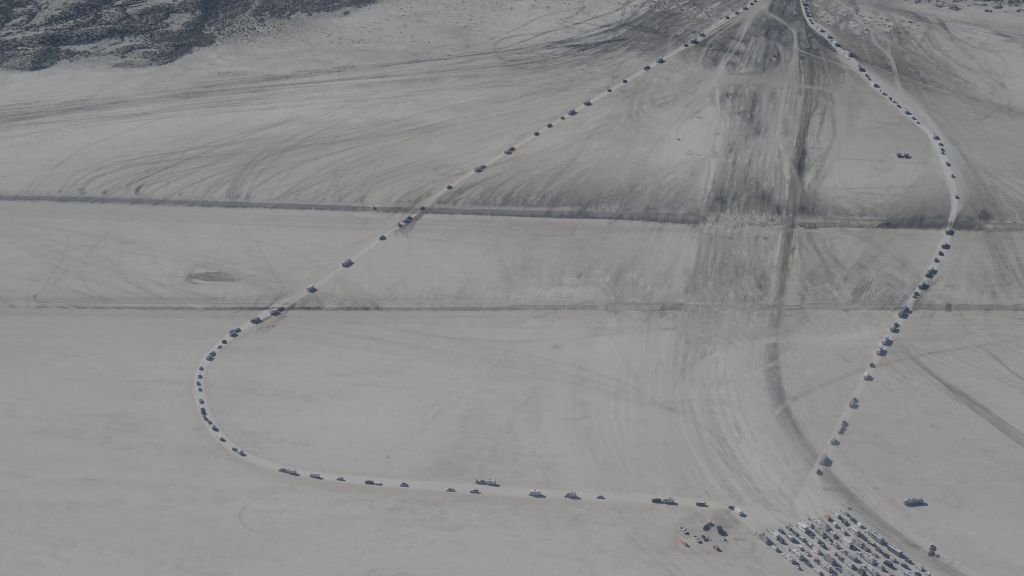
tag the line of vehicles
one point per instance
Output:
(277, 311)
(908, 309)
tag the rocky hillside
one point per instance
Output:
(35, 34)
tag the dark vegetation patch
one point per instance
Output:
(36, 34)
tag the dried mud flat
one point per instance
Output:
(672, 293)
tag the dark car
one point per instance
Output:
(256, 320)
(288, 471)
(347, 263)
(661, 60)
(316, 476)
(382, 238)
(480, 168)
(311, 289)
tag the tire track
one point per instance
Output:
(1005, 428)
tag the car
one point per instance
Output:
(922, 286)
(242, 453)
(210, 358)
(475, 491)
(868, 377)
(834, 442)
(256, 320)
(950, 232)
(288, 471)
(510, 150)
(407, 219)
(946, 246)
(571, 496)
(936, 137)
(660, 60)
(914, 503)
(721, 531)
(702, 504)
(537, 494)
(316, 476)
(214, 427)
(274, 312)
(372, 483)
(886, 341)
(340, 478)
(450, 490)
(854, 403)
(348, 263)
(881, 351)
(743, 514)
(588, 103)
(552, 125)
(600, 497)
(843, 426)
(572, 112)
(536, 133)
(449, 187)
(624, 81)
(311, 289)
(716, 547)
(488, 482)
(481, 168)
(825, 461)
(404, 485)
(647, 68)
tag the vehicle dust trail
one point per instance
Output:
(275, 313)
